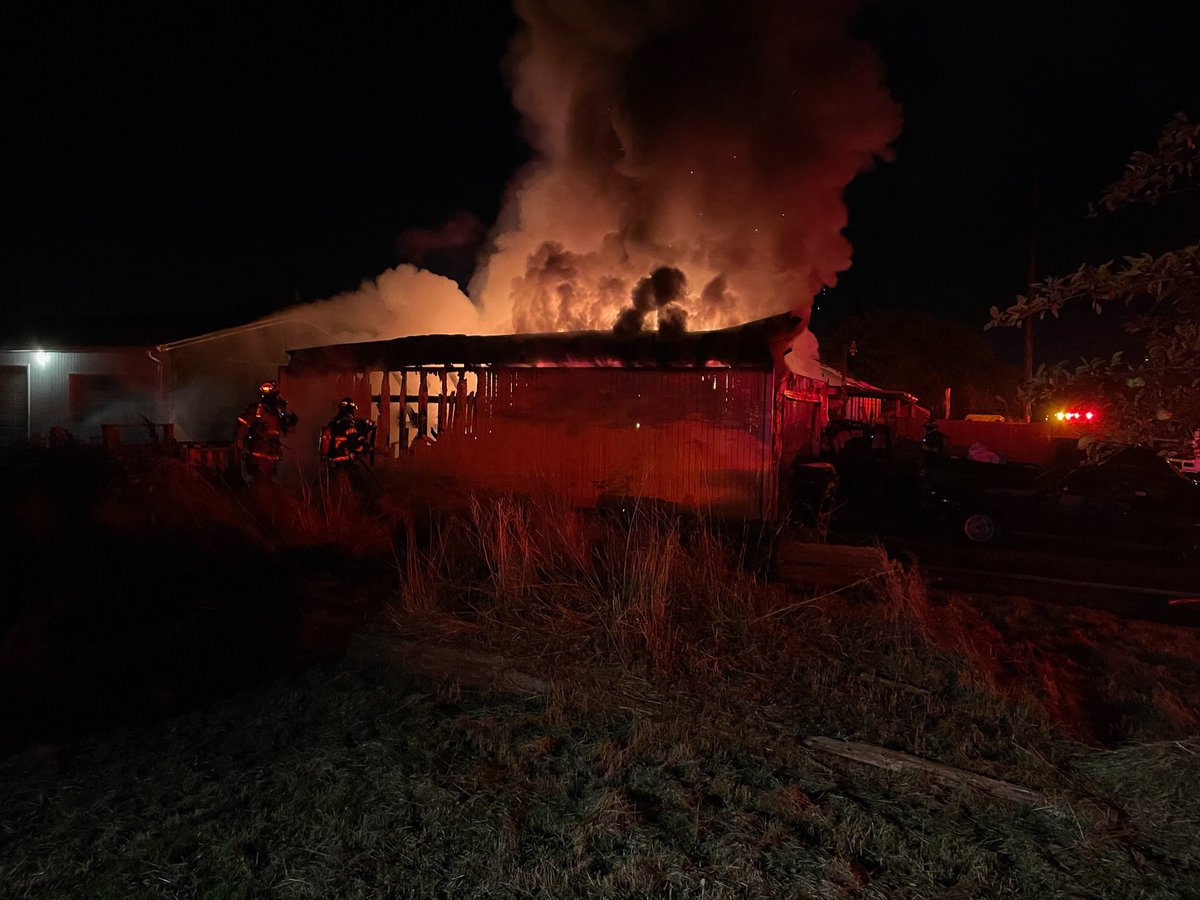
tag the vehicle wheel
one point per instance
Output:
(980, 528)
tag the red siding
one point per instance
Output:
(709, 439)
(700, 438)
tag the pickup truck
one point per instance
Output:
(1131, 498)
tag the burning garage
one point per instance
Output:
(704, 420)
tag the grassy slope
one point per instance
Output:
(356, 781)
(666, 762)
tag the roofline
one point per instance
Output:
(856, 387)
(81, 348)
(871, 392)
(753, 345)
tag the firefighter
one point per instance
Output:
(347, 437)
(259, 433)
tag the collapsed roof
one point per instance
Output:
(755, 345)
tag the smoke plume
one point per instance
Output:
(402, 301)
(661, 292)
(711, 137)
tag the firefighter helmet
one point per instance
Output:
(347, 404)
(268, 387)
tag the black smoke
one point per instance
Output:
(661, 292)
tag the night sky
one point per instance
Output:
(225, 164)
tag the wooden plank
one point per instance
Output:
(895, 761)
(828, 565)
(422, 404)
(460, 402)
(442, 413)
(829, 573)
(383, 428)
(832, 554)
(403, 421)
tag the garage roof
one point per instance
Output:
(753, 346)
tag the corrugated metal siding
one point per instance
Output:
(49, 387)
(700, 438)
(313, 398)
(709, 439)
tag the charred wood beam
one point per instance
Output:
(743, 346)
(422, 405)
(384, 430)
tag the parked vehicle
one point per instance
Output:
(1189, 467)
(1131, 498)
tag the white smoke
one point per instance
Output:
(402, 301)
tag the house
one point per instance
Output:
(860, 401)
(705, 421)
(96, 377)
(78, 389)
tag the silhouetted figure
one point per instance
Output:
(259, 432)
(348, 438)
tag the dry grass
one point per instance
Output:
(645, 587)
(666, 760)
(354, 781)
(648, 591)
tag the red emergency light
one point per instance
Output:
(1071, 415)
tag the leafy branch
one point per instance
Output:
(1156, 397)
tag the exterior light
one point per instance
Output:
(1060, 415)
(1090, 416)
(41, 357)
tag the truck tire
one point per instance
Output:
(980, 527)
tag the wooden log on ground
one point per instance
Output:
(895, 761)
(828, 565)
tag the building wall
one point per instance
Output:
(700, 438)
(81, 390)
(313, 398)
